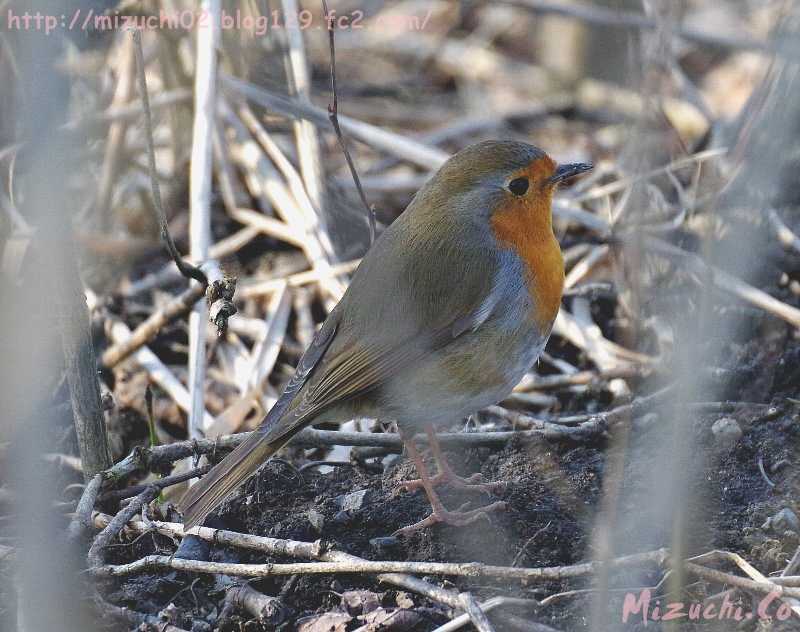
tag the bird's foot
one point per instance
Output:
(448, 477)
(455, 518)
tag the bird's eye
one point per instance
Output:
(518, 186)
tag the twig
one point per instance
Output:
(162, 483)
(265, 183)
(186, 269)
(293, 548)
(486, 606)
(267, 610)
(793, 565)
(261, 361)
(82, 519)
(728, 282)
(308, 150)
(333, 115)
(205, 86)
(148, 330)
(524, 625)
(468, 569)
(152, 458)
(582, 378)
(476, 614)
(116, 132)
(396, 144)
(260, 288)
(308, 207)
(170, 273)
(762, 587)
(625, 182)
(155, 368)
(80, 366)
(116, 524)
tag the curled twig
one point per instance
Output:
(186, 269)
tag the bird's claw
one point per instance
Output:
(454, 518)
(473, 482)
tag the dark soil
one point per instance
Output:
(554, 497)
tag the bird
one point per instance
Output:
(447, 311)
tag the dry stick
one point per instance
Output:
(486, 606)
(261, 361)
(793, 564)
(158, 456)
(395, 144)
(148, 330)
(728, 282)
(116, 133)
(169, 273)
(333, 115)
(524, 625)
(82, 519)
(625, 182)
(260, 288)
(116, 524)
(722, 279)
(293, 548)
(341, 560)
(720, 577)
(306, 204)
(80, 366)
(186, 269)
(632, 20)
(162, 483)
(748, 569)
(200, 199)
(581, 378)
(308, 149)
(265, 182)
(267, 610)
(357, 565)
(478, 616)
(131, 112)
(155, 368)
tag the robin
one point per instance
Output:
(448, 310)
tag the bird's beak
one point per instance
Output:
(564, 172)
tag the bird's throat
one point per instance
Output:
(526, 228)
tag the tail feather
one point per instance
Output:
(209, 492)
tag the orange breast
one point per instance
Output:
(526, 227)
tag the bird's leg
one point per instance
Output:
(439, 513)
(446, 473)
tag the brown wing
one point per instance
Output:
(398, 309)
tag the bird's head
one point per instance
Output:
(507, 185)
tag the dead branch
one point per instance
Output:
(82, 519)
(267, 610)
(159, 456)
(115, 525)
(177, 308)
(186, 269)
(333, 115)
(161, 483)
(468, 569)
